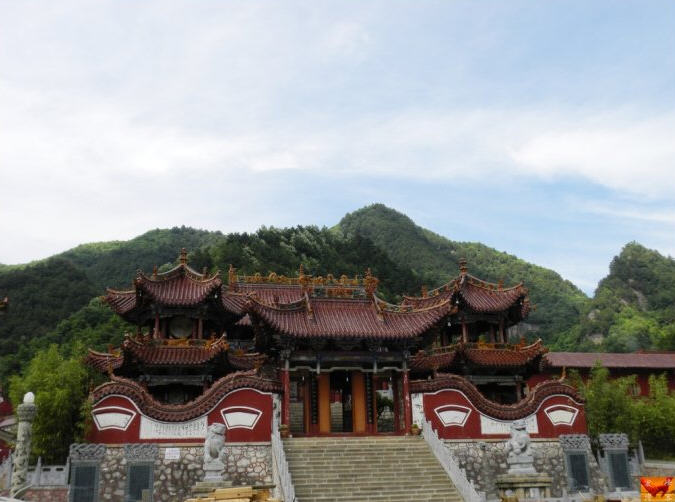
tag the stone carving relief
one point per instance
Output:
(575, 442)
(614, 441)
(87, 451)
(141, 452)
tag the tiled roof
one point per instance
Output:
(158, 353)
(480, 296)
(423, 361)
(246, 361)
(502, 357)
(179, 413)
(103, 361)
(346, 318)
(179, 287)
(521, 409)
(663, 360)
(481, 354)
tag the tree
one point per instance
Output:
(609, 406)
(60, 388)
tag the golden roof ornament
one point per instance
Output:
(370, 283)
(231, 277)
(462, 266)
(183, 256)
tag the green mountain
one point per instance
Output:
(114, 264)
(40, 296)
(56, 300)
(435, 259)
(633, 307)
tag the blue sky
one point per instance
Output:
(544, 129)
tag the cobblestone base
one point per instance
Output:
(247, 464)
(483, 461)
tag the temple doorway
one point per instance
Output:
(341, 419)
(345, 402)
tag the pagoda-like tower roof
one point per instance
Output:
(475, 295)
(179, 287)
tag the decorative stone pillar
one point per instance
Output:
(26, 414)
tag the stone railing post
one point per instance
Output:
(26, 414)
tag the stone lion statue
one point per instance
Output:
(214, 444)
(519, 442)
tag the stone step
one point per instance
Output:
(363, 469)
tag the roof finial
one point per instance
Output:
(154, 271)
(231, 277)
(183, 256)
(462, 266)
(425, 292)
(301, 272)
(370, 283)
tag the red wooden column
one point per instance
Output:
(397, 403)
(286, 398)
(407, 405)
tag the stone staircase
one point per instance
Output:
(362, 469)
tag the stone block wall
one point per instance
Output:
(247, 464)
(483, 461)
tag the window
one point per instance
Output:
(139, 480)
(618, 468)
(577, 472)
(84, 482)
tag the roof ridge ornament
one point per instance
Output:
(183, 256)
(463, 269)
(231, 277)
(370, 283)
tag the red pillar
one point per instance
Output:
(286, 398)
(397, 404)
(407, 405)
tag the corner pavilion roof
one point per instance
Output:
(179, 287)
(478, 295)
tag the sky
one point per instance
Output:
(544, 129)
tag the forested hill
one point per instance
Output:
(435, 260)
(56, 300)
(633, 307)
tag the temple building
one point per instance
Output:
(315, 356)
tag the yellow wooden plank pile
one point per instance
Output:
(237, 494)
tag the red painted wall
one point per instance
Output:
(237, 402)
(471, 429)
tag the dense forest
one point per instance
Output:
(55, 301)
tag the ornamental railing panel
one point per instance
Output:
(464, 486)
(281, 464)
